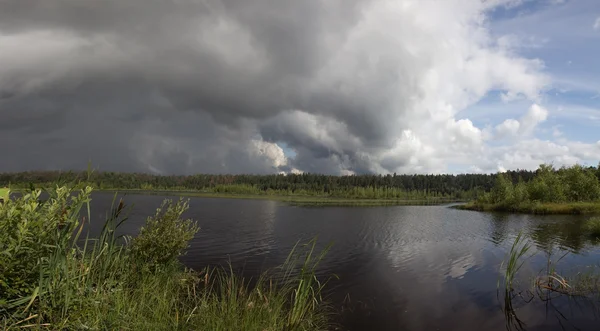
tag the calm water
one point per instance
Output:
(399, 268)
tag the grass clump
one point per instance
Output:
(51, 279)
(512, 265)
(515, 261)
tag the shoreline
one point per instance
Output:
(299, 200)
(568, 208)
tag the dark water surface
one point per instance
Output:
(399, 268)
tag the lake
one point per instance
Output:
(398, 268)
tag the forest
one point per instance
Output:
(391, 186)
(356, 186)
(574, 189)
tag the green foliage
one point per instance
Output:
(4, 194)
(549, 191)
(401, 186)
(515, 260)
(547, 185)
(165, 235)
(502, 190)
(51, 282)
(30, 232)
(581, 185)
(520, 192)
(306, 288)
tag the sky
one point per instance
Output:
(322, 86)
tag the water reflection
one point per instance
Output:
(499, 227)
(561, 234)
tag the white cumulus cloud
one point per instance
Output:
(525, 125)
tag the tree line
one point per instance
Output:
(391, 186)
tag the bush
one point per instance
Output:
(502, 192)
(165, 236)
(547, 185)
(581, 185)
(520, 194)
(32, 230)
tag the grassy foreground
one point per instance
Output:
(536, 207)
(52, 278)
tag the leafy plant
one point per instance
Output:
(165, 235)
(4, 194)
(31, 230)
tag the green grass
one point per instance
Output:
(537, 208)
(515, 260)
(511, 266)
(53, 283)
(299, 200)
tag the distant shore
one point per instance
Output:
(302, 200)
(537, 208)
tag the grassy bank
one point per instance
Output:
(297, 199)
(48, 281)
(536, 208)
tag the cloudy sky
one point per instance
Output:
(328, 86)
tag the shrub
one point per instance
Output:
(520, 193)
(32, 230)
(581, 185)
(502, 191)
(547, 186)
(165, 235)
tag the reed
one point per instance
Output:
(511, 267)
(515, 260)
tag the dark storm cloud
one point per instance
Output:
(187, 86)
(111, 67)
(187, 49)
